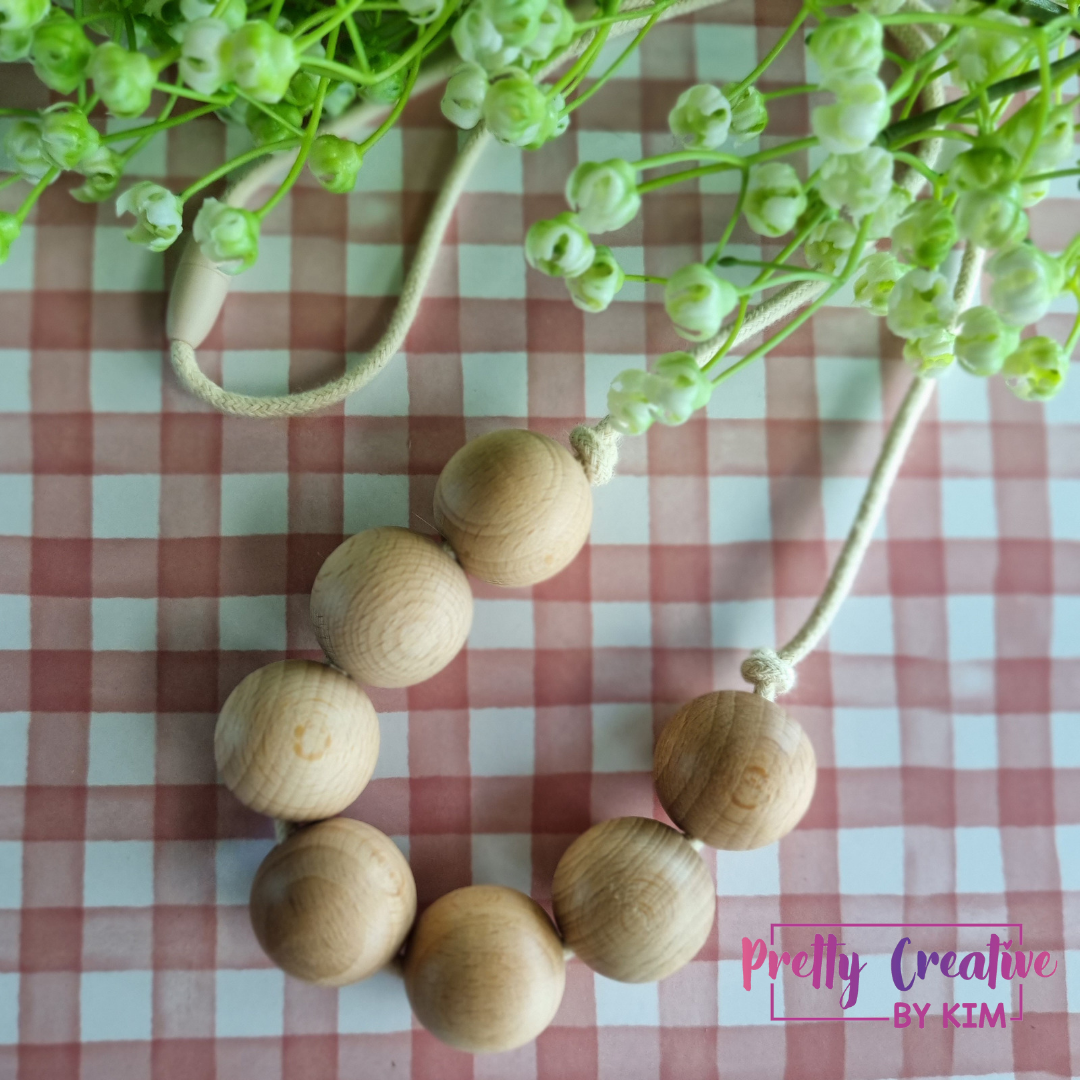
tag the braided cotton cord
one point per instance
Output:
(182, 353)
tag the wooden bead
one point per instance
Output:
(633, 899)
(391, 608)
(484, 969)
(515, 505)
(297, 740)
(734, 770)
(334, 902)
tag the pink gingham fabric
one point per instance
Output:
(153, 552)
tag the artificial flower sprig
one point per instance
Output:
(1009, 149)
(282, 68)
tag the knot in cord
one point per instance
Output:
(597, 448)
(769, 673)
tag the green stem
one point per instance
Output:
(799, 274)
(765, 264)
(7, 181)
(849, 266)
(1043, 108)
(35, 194)
(235, 163)
(397, 110)
(272, 15)
(649, 279)
(358, 44)
(153, 129)
(1057, 174)
(136, 146)
(680, 156)
(339, 16)
(622, 16)
(790, 91)
(192, 95)
(1074, 336)
(624, 55)
(729, 228)
(772, 54)
(277, 117)
(578, 69)
(918, 164)
(18, 112)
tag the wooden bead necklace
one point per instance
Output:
(484, 965)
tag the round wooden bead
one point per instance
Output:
(515, 505)
(297, 740)
(390, 607)
(633, 899)
(333, 903)
(734, 770)
(484, 969)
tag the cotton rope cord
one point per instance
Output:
(182, 353)
(772, 672)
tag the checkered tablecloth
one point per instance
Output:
(153, 552)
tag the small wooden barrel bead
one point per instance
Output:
(391, 608)
(633, 899)
(333, 903)
(515, 506)
(734, 770)
(297, 740)
(484, 969)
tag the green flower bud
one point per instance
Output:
(932, 354)
(60, 52)
(267, 127)
(859, 112)
(423, 12)
(9, 233)
(983, 341)
(123, 80)
(875, 280)
(884, 218)
(202, 65)
(1055, 142)
(227, 235)
(848, 45)
(981, 54)
(463, 100)
(858, 183)
(992, 217)
(335, 163)
(1036, 370)
(596, 288)
(234, 16)
(15, 45)
(925, 234)
(982, 167)
(559, 247)
(774, 198)
(479, 42)
(1024, 283)
(22, 14)
(515, 109)
(158, 211)
(629, 404)
(701, 118)
(555, 30)
(604, 194)
(261, 59)
(67, 137)
(920, 303)
(303, 87)
(518, 21)
(678, 388)
(386, 91)
(829, 244)
(696, 301)
(24, 146)
(749, 116)
(102, 169)
(555, 123)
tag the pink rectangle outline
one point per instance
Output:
(772, 985)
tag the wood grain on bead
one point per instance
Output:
(484, 969)
(391, 608)
(334, 902)
(734, 770)
(515, 505)
(633, 899)
(297, 740)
